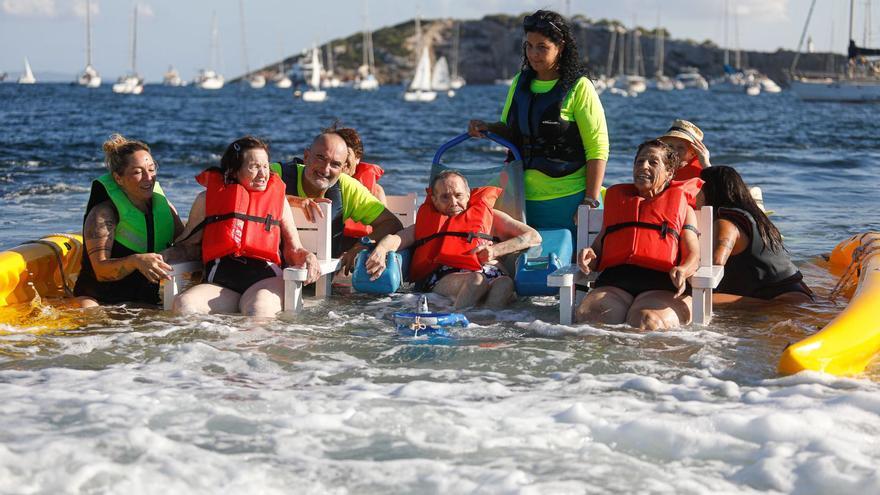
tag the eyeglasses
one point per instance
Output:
(531, 23)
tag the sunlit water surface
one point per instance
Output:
(333, 401)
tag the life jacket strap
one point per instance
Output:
(470, 236)
(663, 228)
(267, 221)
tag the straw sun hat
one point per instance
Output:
(684, 130)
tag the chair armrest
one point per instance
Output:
(185, 267)
(707, 277)
(567, 276)
(327, 267)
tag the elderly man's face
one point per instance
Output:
(450, 196)
(324, 161)
(649, 171)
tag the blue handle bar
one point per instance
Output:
(464, 137)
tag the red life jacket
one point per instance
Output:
(239, 222)
(444, 240)
(645, 232)
(690, 171)
(368, 175)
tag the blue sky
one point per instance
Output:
(51, 33)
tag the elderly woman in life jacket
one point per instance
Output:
(647, 248)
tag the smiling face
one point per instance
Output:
(542, 53)
(324, 161)
(650, 174)
(254, 171)
(138, 177)
(450, 195)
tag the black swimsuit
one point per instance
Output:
(239, 274)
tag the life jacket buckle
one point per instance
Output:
(664, 228)
(268, 223)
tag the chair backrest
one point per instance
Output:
(509, 177)
(314, 236)
(403, 207)
(590, 223)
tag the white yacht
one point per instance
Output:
(172, 78)
(440, 80)
(255, 81)
(27, 77)
(859, 83)
(419, 89)
(89, 77)
(367, 71)
(690, 78)
(315, 93)
(209, 78)
(131, 83)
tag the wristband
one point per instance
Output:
(592, 203)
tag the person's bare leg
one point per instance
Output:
(659, 310)
(465, 289)
(500, 292)
(86, 302)
(604, 305)
(206, 298)
(264, 299)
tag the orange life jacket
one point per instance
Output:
(368, 175)
(690, 171)
(645, 232)
(239, 222)
(444, 240)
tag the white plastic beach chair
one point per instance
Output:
(571, 281)
(316, 237)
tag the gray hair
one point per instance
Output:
(446, 174)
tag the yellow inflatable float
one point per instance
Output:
(32, 269)
(852, 339)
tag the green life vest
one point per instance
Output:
(133, 231)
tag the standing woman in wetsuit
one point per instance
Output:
(554, 116)
(128, 222)
(756, 264)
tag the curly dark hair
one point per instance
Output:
(725, 188)
(670, 156)
(232, 158)
(555, 27)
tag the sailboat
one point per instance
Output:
(860, 82)
(661, 82)
(255, 81)
(132, 83)
(632, 82)
(208, 78)
(330, 80)
(420, 86)
(89, 77)
(440, 77)
(455, 79)
(315, 93)
(172, 78)
(367, 71)
(28, 76)
(734, 80)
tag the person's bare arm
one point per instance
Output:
(689, 250)
(188, 247)
(385, 224)
(294, 252)
(98, 232)
(517, 237)
(727, 236)
(588, 258)
(403, 239)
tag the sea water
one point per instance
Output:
(333, 401)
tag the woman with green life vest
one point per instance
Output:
(128, 223)
(554, 116)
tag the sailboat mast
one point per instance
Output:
(244, 54)
(134, 36)
(88, 33)
(851, 7)
(726, 38)
(455, 48)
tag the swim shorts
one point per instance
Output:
(490, 271)
(237, 273)
(636, 279)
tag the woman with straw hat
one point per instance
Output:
(687, 140)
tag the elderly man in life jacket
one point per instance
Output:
(318, 178)
(458, 238)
